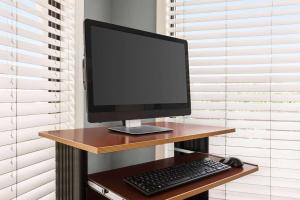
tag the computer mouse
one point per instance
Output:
(232, 162)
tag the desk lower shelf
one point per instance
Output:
(113, 182)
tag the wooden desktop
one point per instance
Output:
(71, 161)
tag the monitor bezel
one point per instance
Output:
(106, 113)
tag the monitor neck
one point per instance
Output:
(132, 123)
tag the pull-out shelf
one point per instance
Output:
(111, 185)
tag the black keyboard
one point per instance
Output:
(159, 180)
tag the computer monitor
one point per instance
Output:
(134, 74)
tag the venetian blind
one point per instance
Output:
(36, 92)
(245, 73)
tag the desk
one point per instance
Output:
(72, 147)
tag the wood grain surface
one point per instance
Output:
(101, 140)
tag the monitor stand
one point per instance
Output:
(135, 127)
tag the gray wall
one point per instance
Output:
(97, 10)
(140, 14)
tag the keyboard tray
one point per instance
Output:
(111, 182)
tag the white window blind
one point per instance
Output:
(36, 92)
(245, 73)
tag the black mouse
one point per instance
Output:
(232, 162)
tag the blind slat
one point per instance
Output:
(40, 192)
(35, 182)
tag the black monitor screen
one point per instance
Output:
(134, 69)
(133, 74)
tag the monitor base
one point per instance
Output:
(139, 130)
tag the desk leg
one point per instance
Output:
(71, 173)
(199, 145)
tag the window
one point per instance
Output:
(36, 92)
(245, 73)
